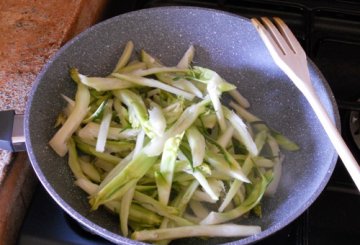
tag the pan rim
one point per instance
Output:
(117, 237)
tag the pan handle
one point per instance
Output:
(12, 131)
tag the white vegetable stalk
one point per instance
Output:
(167, 165)
(227, 230)
(205, 184)
(156, 70)
(155, 147)
(91, 131)
(214, 94)
(197, 145)
(82, 100)
(139, 143)
(104, 127)
(226, 136)
(157, 119)
(241, 129)
(90, 171)
(148, 82)
(105, 83)
(125, 210)
(198, 209)
(239, 98)
(70, 105)
(187, 58)
(133, 67)
(277, 166)
(236, 184)
(172, 79)
(137, 110)
(125, 56)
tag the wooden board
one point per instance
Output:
(31, 32)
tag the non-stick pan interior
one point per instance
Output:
(224, 42)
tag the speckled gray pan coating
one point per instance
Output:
(224, 42)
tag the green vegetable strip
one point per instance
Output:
(134, 66)
(125, 210)
(96, 113)
(157, 119)
(183, 198)
(111, 145)
(156, 70)
(90, 171)
(105, 83)
(239, 98)
(135, 169)
(154, 205)
(263, 162)
(215, 85)
(117, 169)
(187, 58)
(205, 184)
(86, 185)
(70, 105)
(241, 128)
(128, 196)
(103, 165)
(173, 112)
(136, 105)
(91, 130)
(236, 184)
(148, 82)
(163, 210)
(82, 100)
(223, 166)
(139, 143)
(251, 201)
(198, 209)
(205, 75)
(284, 142)
(125, 56)
(155, 147)
(143, 215)
(121, 113)
(88, 149)
(274, 147)
(226, 137)
(136, 212)
(171, 79)
(167, 166)
(228, 230)
(197, 145)
(246, 115)
(260, 139)
(214, 93)
(180, 201)
(74, 161)
(104, 127)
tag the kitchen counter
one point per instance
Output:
(31, 33)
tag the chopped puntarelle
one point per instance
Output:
(156, 145)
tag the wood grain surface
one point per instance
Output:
(31, 32)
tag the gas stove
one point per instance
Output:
(330, 34)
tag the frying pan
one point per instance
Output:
(225, 43)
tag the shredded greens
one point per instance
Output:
(156, 145)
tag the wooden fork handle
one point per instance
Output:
(335, 137)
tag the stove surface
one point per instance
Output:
(330, 34)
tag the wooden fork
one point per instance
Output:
(291, 58)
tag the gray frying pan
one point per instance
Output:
(224, 42)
